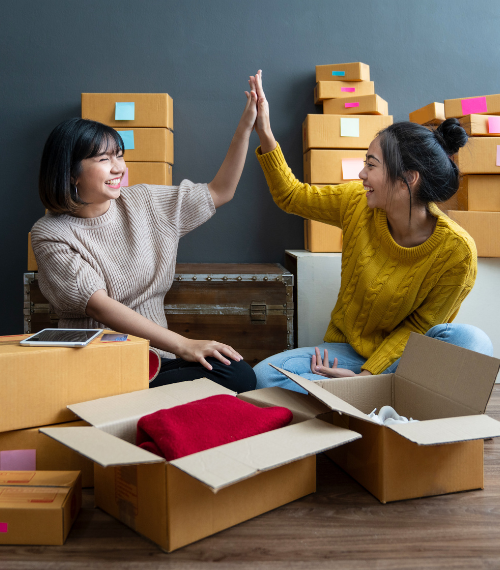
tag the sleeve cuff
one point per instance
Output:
(271, 160)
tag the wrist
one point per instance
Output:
(267, 141)
(365, 373)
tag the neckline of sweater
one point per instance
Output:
(98, 221)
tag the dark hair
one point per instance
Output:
(411, 147)
(68, 144)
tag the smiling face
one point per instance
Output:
(374, 178)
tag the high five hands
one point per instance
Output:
(262, 124)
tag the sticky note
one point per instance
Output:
(498, 155)
(114, 337)
(124, 181)
(18, 460)
(348, 89)
(474, 105)
(351, 167)
(128, 139)
(4, 527)
(347, 105)
(124, 111)
(349, 127)
(338, 73)
(494, 125)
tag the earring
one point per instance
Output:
(76, 190)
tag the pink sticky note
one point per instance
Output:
(347, 105)
(474, 105)
(348, 89)
(351, 167)
(124, 181)
(494, 124)
(18, 460)
(498, 155)
(4, 527)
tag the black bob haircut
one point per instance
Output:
(68, 144)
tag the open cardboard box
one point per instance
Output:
(178, 502)
(446, 388)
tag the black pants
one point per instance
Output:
(238, 376)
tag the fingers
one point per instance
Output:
(313, 364)
(205, 363)
(258, 85)
(335, 362)
(326, 362)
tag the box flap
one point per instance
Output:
(100, 446)
(227, 464)
(449, 430)
(302, 405)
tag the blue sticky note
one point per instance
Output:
(337, 73)
(128, 139)
(114, 337)
(124, 111)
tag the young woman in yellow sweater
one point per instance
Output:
(406, 267)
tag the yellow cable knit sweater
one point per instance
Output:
(386, 291)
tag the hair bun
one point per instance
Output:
(451, 136)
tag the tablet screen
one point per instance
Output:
(64, 335)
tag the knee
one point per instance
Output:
(466, 336)
(242, 376)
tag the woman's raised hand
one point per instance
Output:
(262, 124)
(198, 350)
(247, 121)
(323, 367)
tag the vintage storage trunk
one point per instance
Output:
(246, 305)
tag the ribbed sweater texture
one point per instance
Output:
(129, 252)
(386, 291)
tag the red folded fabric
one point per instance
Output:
(204, 424)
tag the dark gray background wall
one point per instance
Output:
(201, 53)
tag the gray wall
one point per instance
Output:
(201, 53)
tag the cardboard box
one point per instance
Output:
(484, 105)
(319, 237)
(432, 114)
(150, 145)
(38, 507)
(335, 89)
(356, 71)
(325, 166)
(337, 131)
(484, 228)
(151, 109)
(481, 125)
(362, 105)
(479, 156)
(32, 264)
(477, 193)
(178, 502)
(37, 383)
(447, 391)
(159, 173)
(27, 449)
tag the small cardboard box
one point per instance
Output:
(337, 131)
(335, 89)
(150, 145)
(484, 105)
(319, 237)
(477, 193)
(447, 389)
(150, 109)
(178, 502)
(362, 105)
(37, 383)
(32, 264)
(38, 507)
(27, 449)
(479, 156)
(326, 166)
(481, 125)
(484, 228)
(356, 71)
(432, 114)
(159, 173)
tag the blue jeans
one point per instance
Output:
(298, 360)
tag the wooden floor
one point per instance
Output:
(340, 526)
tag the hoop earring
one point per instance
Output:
(76, 190)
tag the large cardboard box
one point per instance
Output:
(334, 89)
(362, 105)
(432, 114)
(178, 502)
(447, 389)
(150, 145)
(325, 166)
(28, 449)
(337, 131)
(37, 383)
(484, 227)
(159, 173)
(38, 507)
(319, 237)
(151, 109)
(481, 155)
(356, 71)
(477, 193)
(484, 105)
(481, 125)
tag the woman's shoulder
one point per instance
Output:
(50, 225)
(455, 236)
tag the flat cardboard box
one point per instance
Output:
(151, 145)
(362, 105)
(335, 89)
(484, 228)
(32, 264)
(490, 104)
(38, 507)
(158, 173)
(178, 502)
(477, 193)
(325, 166)
(319, 237)
(37, 383)
(478, 125)
(325, 131)
(151, 109)
(447, 389)
(25, 446)
(479, 156)
(356, 71)
(432, 114)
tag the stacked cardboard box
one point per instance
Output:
(335, 143)
(431, 114)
